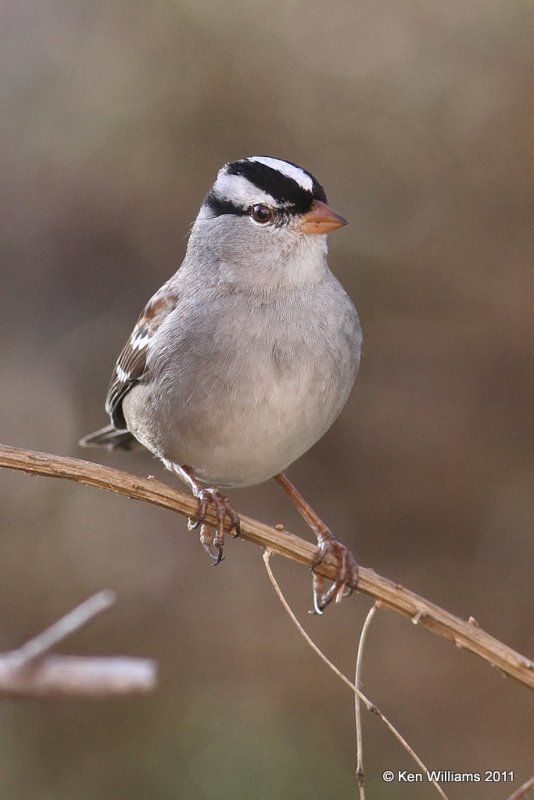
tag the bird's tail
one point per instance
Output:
(110, 437)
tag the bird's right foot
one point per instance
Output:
(214, 545)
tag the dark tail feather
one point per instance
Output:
(109, 437)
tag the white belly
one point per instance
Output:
(262, 434)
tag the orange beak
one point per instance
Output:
(321, 219)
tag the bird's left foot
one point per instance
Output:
(347, 569)
(346, 579)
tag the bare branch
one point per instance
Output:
(63, 676)
(29, 671)
(387, 594)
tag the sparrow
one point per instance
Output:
(244, 358)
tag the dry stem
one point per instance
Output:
(360, 773)
(387, 594)
(357, 692)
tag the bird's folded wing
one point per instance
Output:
(131, 364)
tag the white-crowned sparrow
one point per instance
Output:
(247, 354)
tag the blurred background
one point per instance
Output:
(418, 119)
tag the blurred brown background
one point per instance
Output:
(418, 118)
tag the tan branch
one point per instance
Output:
(30, 671)
(387, 594)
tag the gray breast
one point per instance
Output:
(242, 385)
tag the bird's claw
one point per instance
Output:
(214, 549)
(214, 545)
(346, 578)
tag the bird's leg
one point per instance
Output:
(213, 545)
(347, 572)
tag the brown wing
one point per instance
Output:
(131, 364)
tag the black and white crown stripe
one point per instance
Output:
(262, 179)
(288, 169)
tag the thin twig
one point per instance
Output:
(520, 793)
(266, 558)
(360, 774)
(44, 642)
(368, 704)
(30, 670)
(393, 596)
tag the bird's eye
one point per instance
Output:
(261, 213)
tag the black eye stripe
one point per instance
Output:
(221, 205)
